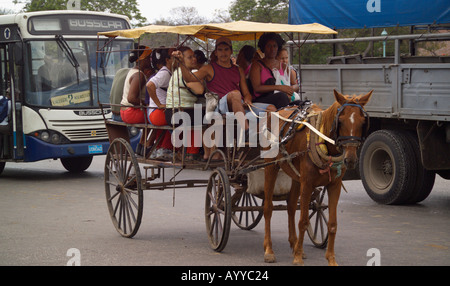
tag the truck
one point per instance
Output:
(408, 142)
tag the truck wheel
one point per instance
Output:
(388, 167)
(76, 164)
(425, 179)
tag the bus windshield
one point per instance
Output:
(65, 76)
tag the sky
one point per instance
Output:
(205, 8)
(154, 12)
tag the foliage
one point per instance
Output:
(4, 11)
(124, 7)
(266, 11)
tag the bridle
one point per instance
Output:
(347, 141)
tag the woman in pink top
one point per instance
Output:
(262, 78)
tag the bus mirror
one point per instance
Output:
(18, 53)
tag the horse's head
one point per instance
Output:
(351, 125)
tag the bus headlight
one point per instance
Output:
(45, 136)
(134, 131)
(51, 136)
(56, 139)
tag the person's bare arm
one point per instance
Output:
(294, 82)
(151, 88)
(244, 88)
(255, 78)
(205, 72)
(137, 82)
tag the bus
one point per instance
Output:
(54, 77)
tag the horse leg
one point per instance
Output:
(292, 202)
(270, 173)
(305, 198)
(334, 192)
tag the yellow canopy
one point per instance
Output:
(240, 30)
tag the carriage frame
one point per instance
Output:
(127, 175)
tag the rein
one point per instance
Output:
(307, 125)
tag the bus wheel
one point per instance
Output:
(76, 164)
(2, 167)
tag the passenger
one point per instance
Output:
(116, 93)
(115, 96)
(286, 70)
(157, 89)
(201, 59)
(44, 78)
(227, 80)
(262, 77)
(134, 92)
(185, 95)
(5, 111)
(245, 58)
(5, 108)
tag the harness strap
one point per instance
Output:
(289, 160)
(307, 125)
(318, 157)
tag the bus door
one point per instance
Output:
(12, 143)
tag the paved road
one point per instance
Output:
(47, 213)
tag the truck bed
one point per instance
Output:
(412, 88)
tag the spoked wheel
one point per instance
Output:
(123, 187)
(218, 209)
(249, 211)
(318, 218)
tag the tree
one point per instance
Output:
(124, 7)
(266, 11)
(178, 16)
(4, 11)
(185, 16)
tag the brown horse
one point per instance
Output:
(346, 121)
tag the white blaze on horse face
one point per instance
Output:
(352, 121)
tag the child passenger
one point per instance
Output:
(157, 89)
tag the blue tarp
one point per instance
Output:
(355, 14)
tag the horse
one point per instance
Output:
(345, 120)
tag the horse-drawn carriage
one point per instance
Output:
(235, 190)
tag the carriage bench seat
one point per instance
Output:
(118, 129)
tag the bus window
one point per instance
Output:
(57, 83)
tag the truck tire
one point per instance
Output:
(76, 164)
(388, 167)
(425, 178)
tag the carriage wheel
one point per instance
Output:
(123, 187)
(218, 209)
(247, 219)
(318, 218)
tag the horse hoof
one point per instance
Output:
(298, 262)
(331, 260)
(332, 263)
(269, 258)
